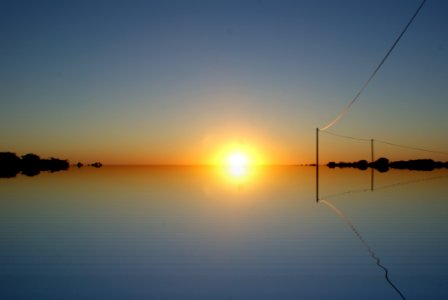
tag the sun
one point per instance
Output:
(237, 159)
(237, 163)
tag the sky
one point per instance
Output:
(185, 82)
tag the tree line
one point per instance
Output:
(29, 164)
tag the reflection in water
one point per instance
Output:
(346, 193)
(383, 187)
(238, 171)
(347, 221)
(372, 185)
(216, 233)
(239, 174)
(406, 182)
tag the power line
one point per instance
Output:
(346, 109)
(385, 142)
(412, 148)
(347, 137)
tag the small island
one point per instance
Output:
(29, 164)
(383, 164)
(95, 165)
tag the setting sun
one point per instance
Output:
(236, 154)
(237, 159)
(237, 163)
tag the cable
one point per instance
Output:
(347, 137)
(412, 148)
(346, 109)
(385, 142)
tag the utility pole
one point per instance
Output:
(373, 169)
(317, 164)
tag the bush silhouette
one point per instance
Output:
(9, 164)
(30, 164)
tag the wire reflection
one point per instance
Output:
(384, 187)
(347, 221)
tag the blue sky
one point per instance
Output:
(173, 81)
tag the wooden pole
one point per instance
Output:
(317, 164)
(373, 171)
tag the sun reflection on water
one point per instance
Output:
(238, 171)
(239, 174)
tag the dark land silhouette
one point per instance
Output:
(29, 164)
(95, 165)
(383, 164)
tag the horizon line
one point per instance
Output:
(193, 165)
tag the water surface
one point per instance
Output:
(201, 233)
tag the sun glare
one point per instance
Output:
(237, 159)
(237, 163)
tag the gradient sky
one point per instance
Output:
(128, 82)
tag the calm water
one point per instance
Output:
(196, 233)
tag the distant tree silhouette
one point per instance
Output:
(382, 164)
(30, 158)
(96, 165)
(30, 164)
(9, 159)
(9, 164)
(53, 164)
